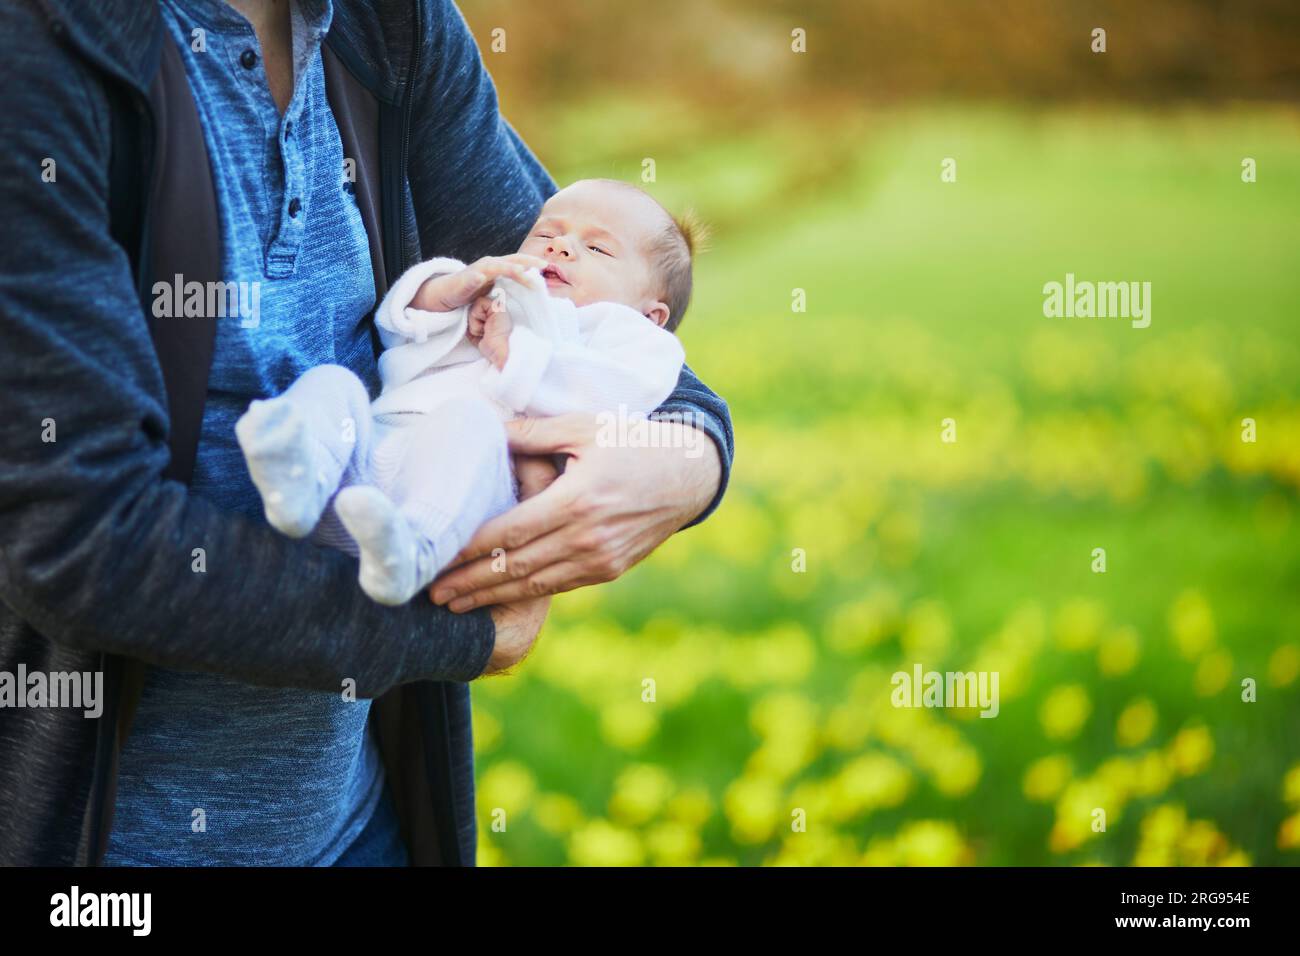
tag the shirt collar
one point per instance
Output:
(221, 17)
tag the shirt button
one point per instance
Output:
(295, 204)
(248, 59)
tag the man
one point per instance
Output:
(239, 666)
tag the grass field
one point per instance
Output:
(1120, 691)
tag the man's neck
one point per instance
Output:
(271, 22)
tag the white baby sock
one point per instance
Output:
(287, 465)
(395, 561)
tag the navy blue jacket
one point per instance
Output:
(97, 410)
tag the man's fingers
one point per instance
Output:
(494, 571)
(555, 579)
(548, 436)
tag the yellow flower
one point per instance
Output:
(1119, 651)
(487, 731)
(489, 854)
(1064, 712)
(629, 723)
(1117, 775)
(956, 770)
(557, 813)
(1192, 624)
(1288, 834)
(1076, 813)
(880, 852)
(1079, 623)
(639, 793)
(1213, 672)
(927, 630)
(507, 784)
(753, 805)
(1202, 844)
(867, 782)
(848, 725)
(742, 537)
(931, 843)
(862, 624)
(819, 846)
(1284, 665)
(815, 799)
(672, 844)
(692, 807)
(783, 714)
(1191, 750)
(1136, 723)
(1291, 785)
(784, 654)
(601, 843)
(1045, 777)
(1164, 824)
(1154, 774)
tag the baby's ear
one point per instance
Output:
(658, 313)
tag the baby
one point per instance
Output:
(579, 320)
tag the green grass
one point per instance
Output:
(925, 302)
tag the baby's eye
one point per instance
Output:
(544, 235)
(603, 252)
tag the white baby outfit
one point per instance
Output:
(414, 474)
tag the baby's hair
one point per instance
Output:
(671, 252)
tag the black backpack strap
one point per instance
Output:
(182, 244)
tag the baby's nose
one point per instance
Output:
(558, 249)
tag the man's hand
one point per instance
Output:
(610, 508)
(518, 625)
(449, 292)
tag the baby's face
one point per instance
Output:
(592, 235)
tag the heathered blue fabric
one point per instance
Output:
(282, 776)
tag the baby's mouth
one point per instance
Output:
(554, 276)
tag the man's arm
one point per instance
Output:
(96, 550)
(697, 405)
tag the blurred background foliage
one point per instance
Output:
(821, 171)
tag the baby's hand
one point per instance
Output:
(449, 292)
(478, 315)
(495, 340)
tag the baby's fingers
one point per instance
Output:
(513, 266)
(526, 261)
